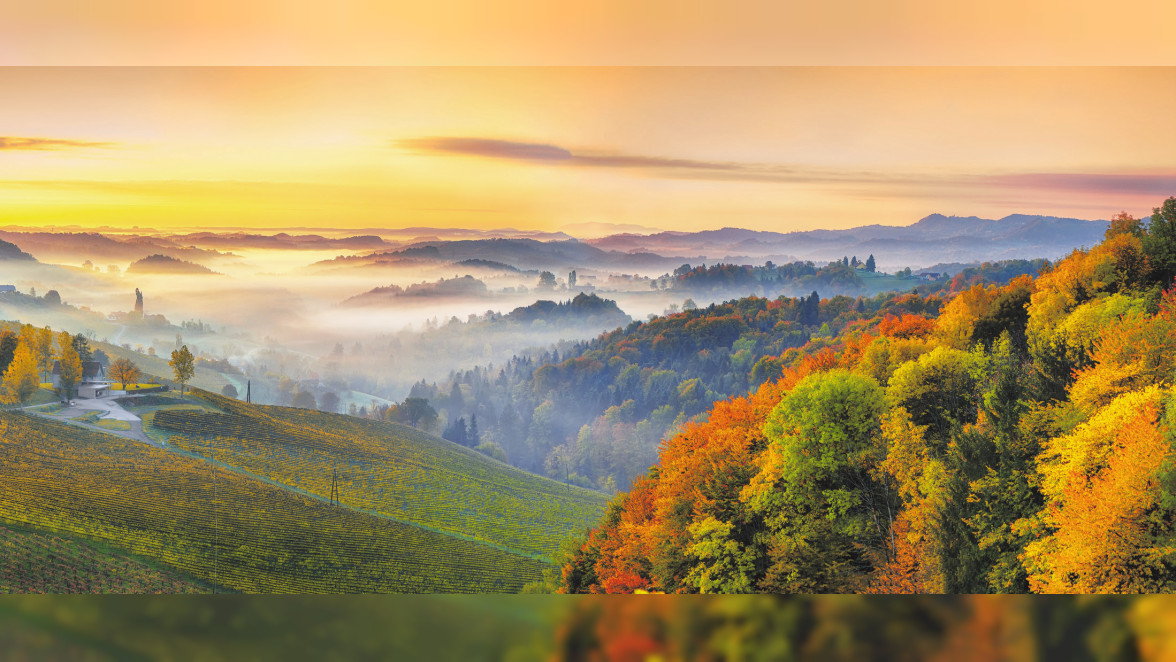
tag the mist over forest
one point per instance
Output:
(361, 323)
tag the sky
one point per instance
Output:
(541, 148)
(602, 32)
(775, 115)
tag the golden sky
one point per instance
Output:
(543, 147)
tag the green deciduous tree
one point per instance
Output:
(938, 389)
(304, 400)
(417, 412)
(183, 366)
(819, 489)
(1159, 244)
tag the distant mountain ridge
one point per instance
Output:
(934, 238)
(522, 253)
(73, 247)
(282, 240)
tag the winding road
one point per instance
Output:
(110, 410)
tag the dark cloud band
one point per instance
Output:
(906, 183)
(46, 144)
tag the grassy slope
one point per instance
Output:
(37, 562)
(224, 528)
(157, 366)
(390, 469)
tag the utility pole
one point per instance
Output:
(215, 524)
(334, 486)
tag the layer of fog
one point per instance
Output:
(273, 315)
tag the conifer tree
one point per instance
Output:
(70, 365)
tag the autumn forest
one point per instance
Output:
(1003, 438)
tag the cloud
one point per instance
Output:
(487, 148)
(46, 144)
(1159, 184)
(886, 184)
(543, 153)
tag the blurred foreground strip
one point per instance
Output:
(833, 627)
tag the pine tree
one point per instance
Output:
(870, 264)
(70, 370)
(8, 344)
(82, 346)
(472, 433)
(43, 349)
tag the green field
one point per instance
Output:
(224, 528)
(388, 469)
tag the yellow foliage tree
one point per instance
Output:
(1108, 533)
(1080, 455)
(913, 564)
(957, 320)
(21, 380)
(124, 371)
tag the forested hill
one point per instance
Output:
(1022, 440)
(9, 251)
(595, 414)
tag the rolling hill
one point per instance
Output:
(239, 497)
(10, 251)
(166, 264)
(227, 528)
(387, 469)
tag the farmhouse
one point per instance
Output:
(94, 383)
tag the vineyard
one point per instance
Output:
(389, 469)
(33, 562)
(224, 528)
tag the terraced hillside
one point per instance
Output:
(389, 469)
(225, 528)
(36, 562)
